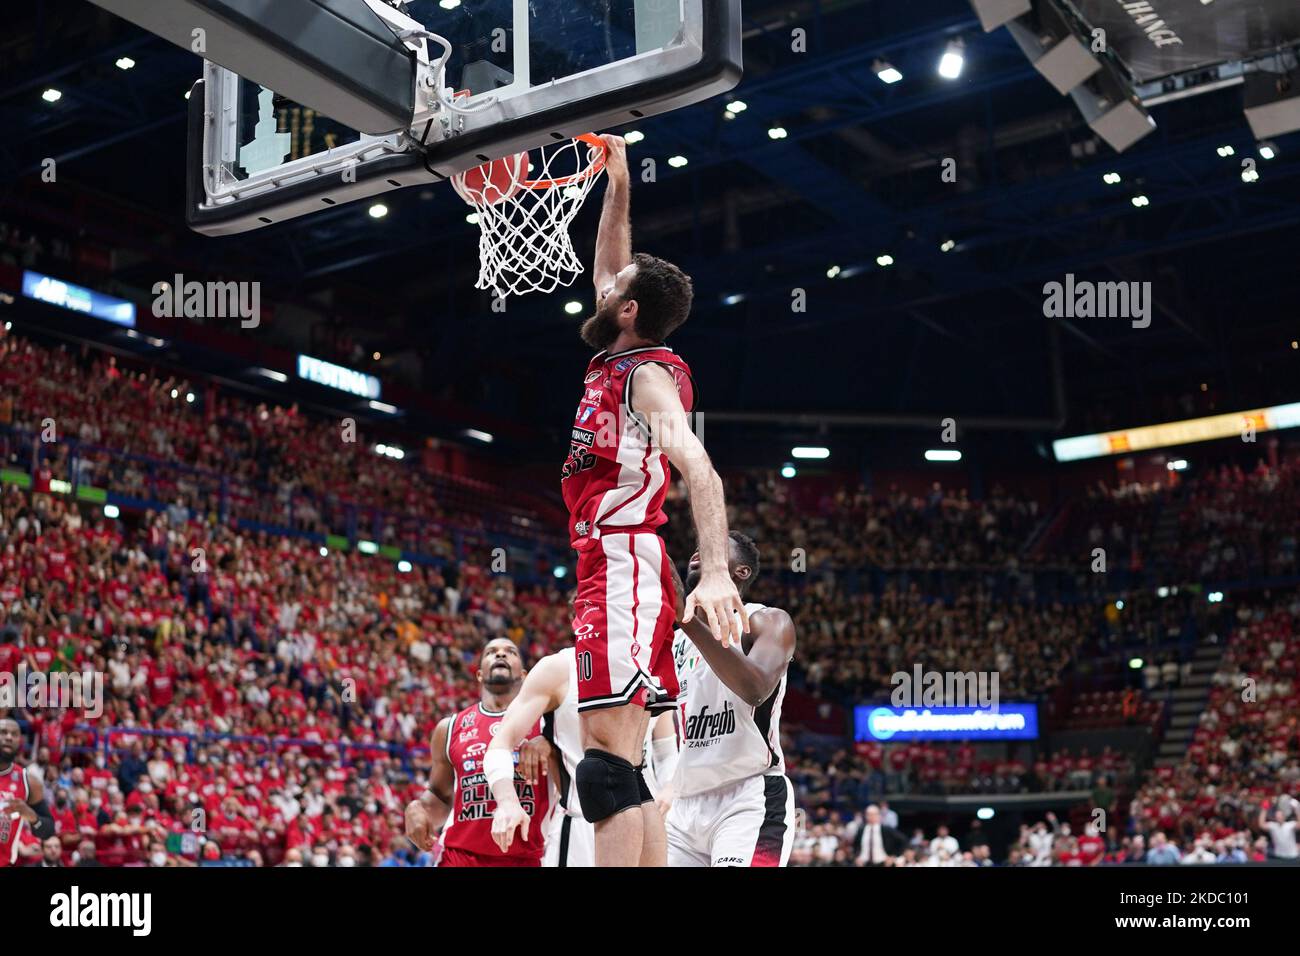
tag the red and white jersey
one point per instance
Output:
(614, 477)
(13, 786)
(469, 828)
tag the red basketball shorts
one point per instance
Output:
(623, 624)
(452, 857)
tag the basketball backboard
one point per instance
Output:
(513, 75)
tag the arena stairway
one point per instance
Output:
(1186, 703)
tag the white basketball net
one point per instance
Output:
(524, 243)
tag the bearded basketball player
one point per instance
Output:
(630, 424)
(458, 787)
(22, 797)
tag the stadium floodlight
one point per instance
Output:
(573, 307)
(111, 511)
(403, 567)
(1135, 663)
(560, 571)
(886, 72)
(943, 455)
(788, 471)
(984, 813)
(815, 452)
(367, 547)
(1267, 150)
(485, 437)
(1215, 597)
(633, 136)
(953, 60)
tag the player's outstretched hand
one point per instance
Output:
(615, 157)
(534, 759)
(716, 600)
(507, 818)
(417, 826)
(664, 802)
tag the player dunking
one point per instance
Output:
(457, 781)
(630, 423)
(22, 797)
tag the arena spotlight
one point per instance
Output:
(737, 106)
(1178, 464)
(52, 95)
(1226, 151)
(788, 471)
(1140, 201)
(1267, 150)
(994, 13)
(378, 211)
(382, 407)
(885, 260)
(833, 271)
(1112, 179)
(324, 552)
(472, 219)
(984, 813)
(633, 136)
(814, 452)
(111, 511)
(367, 547)
(777, 132)
(1249, 175)
(1119, 605)
(947, 246)
(1215, 597)
(189, 398)
(573, 308)
(953, 60)
(942, 454)
(734, 299)
(403, 567)
(477, 435)
(1135, 663)
(560, 571)
(677, 162)
(886, 72)
(125, 63)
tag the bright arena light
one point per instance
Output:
(1250, 175)
(947, 246)
(378, 211)
(885, 261)
(1267, 151)
(942, 454)
(1141, 201)
(1112, 179)
(1215, 597)
(733, 299)
(125, 63)
(886, 73)
(1178, 464)
(953, 60)
(810, 451)
(788, 471)
(1226, 151)
(984, 813)
(111, 511)
(403, 567)
(1135, 663)
(833, 271)
(324, 552)
(737, 106)
(677, 162)
(485, 437)
(573, 308)
(51, 95)
(560, 571)
(777, 132)
(472, 219)
(633, 136)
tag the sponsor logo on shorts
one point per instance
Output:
(730, 861)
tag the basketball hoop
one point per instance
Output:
(525, 204)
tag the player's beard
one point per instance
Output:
(7, 754)
(499, 679)
(601, 330)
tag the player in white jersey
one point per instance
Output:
(551, 690)
(732, 804)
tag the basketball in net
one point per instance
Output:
(525, 204)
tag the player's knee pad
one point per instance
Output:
(642, 786)
(606, 784)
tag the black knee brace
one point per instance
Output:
(606, 784)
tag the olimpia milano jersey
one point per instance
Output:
(724, 740)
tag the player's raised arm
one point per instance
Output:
(614, 240)
(425, 816)
(542, 691)
(751, 676)
(655, 398)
